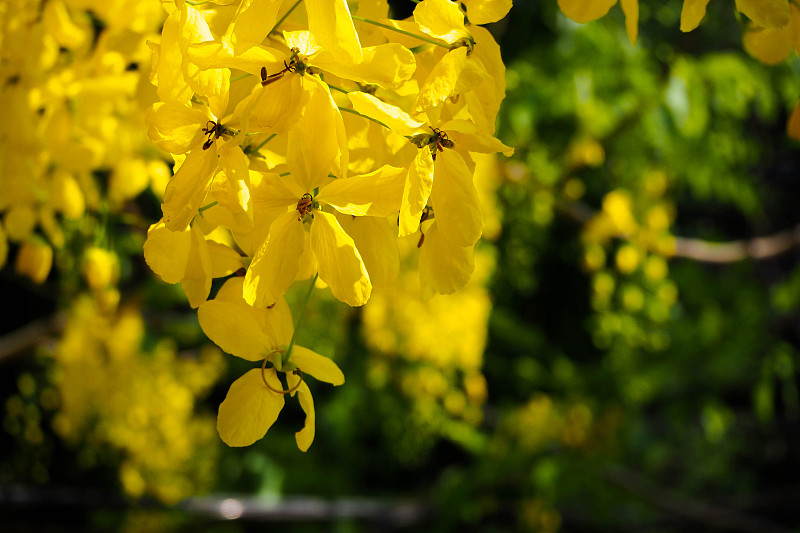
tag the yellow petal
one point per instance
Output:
(274, 108)
(769, 45)
(585, 10)
(314, 143)
(340, 265)
(490, 93)
(249, 409)
(20, 221)
(59, 25)
(34, 260)
(766, 13)
(234, 328)
(224, 260)
(316, 365)
(305, 436)
(196, 282)
(375, 194)
(444, 267)
(467, 138)
(166, 252)
(276, 262)
(387, 65)
(376, 240)
(231, 291)
(398, 120)
(217, 54)
(692, 14)
(631, 10)
(175, 127)
(442, 80)
(441, 19)
(416, 191)
(331, 24)
(486, 11)
(171, 84)
(304, 41)
(188, 188)
(455, 200)
(253, 21)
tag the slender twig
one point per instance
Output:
(241, 77)
(335, 88)
(398, 30)
(707, 251)
(354, 112)
(265, 141)
(280, 21)
(288, 353)
(28, 336)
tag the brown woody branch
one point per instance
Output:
(712, 252)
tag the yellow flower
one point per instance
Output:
(276, 263)
(34, 260)
(186, 257)
(179, 129)
(255, 400)
(100, 268)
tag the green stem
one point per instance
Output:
(335, 88)
(398, 30)
(209, 206)
(288, 353)
(280, 21)
(265, 141)
(354, 112)
(243, 76)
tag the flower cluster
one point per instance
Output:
(72, 148)
(307, 139)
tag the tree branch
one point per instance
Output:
(28, 336)
(707, 251)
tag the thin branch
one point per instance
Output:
(730, 252)
(711, 252)
(28, 336)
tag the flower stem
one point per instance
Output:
(288, 353)
(265, 141)
(335, 88)
(398, 30)
(243, 76)
(280, 21)
(354, 112)
(209, 206)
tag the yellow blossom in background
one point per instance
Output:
(141, 404)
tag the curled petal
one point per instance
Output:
(316, 365)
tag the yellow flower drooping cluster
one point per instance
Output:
(142, 404)
(404, 331)
(307, 139)
(632, 295)
(71, 141)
